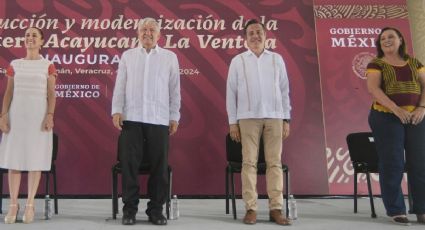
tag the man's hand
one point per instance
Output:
(235, 134)
(117, 120)
(173, 127)
(285, 130)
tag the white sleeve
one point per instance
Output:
(231, 93)
(118, 98)
(284, 88)
(174, 89)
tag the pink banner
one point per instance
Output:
(85, 40)
(346, 45)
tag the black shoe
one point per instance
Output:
(158, 219)
(421, 218)
(129, 220)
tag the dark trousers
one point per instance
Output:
(147, 142)
(396, 144)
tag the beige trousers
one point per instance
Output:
(251, 132)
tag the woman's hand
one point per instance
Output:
(417, 115)
(404, 115)
(4, 123)
(48, 122)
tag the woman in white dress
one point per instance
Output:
(26, 121)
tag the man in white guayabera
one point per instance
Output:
(258, 106)
(146, 109)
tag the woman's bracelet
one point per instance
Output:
(1, 115)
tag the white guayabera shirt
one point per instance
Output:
(147, 88)
(257, 87)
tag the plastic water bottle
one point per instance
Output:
(293, 215)
(174, 214)
(47, 207)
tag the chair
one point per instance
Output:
(234, 165)
(143, 170)
(364, 158)
(46, 173)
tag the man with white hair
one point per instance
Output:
(146, 109)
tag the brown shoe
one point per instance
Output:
(277, 217)
(250, 217)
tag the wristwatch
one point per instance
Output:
(287, 120)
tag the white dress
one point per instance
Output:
(27, 147)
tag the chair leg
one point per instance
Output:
(1, 191)
(47, 183)
(287, 192)
(233, 196)
(114, 193)
(355, 192)
(409, 197)
(55, 191)
(170, 186)
(369, 188)
(226, 174)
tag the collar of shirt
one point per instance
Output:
(154, 50)
(249, 52)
